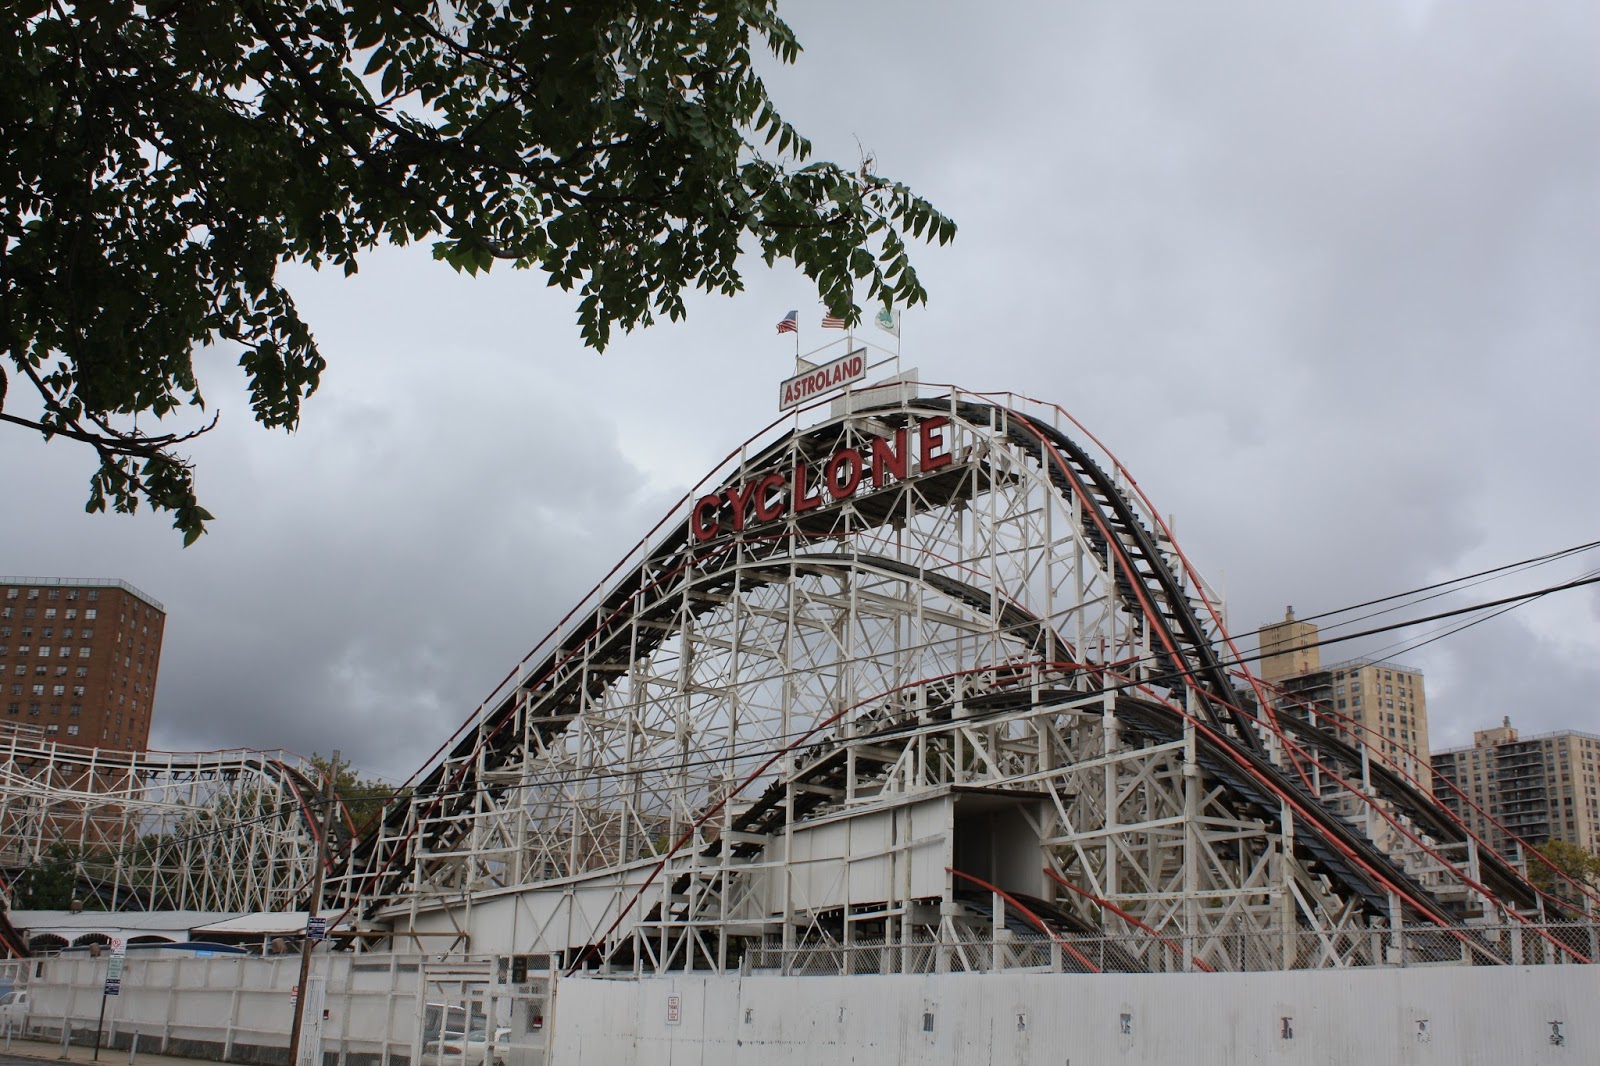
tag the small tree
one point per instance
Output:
(48, 884)
(363, 799)
(1575, 862)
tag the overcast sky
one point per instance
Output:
(1325, 276)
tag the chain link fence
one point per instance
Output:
(1465, 945)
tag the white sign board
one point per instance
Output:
(820, 380)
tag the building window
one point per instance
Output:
(38, 690)
(89, 613)
(82, 671)
(83, 653)
(72, 730)
(88, 634)
(58, 690)
(52, 728)
(49, 613)
(11, 594)
(75, 710)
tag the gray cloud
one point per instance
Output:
(1322, 275)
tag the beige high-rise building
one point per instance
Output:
(1288, 649)
(1374, 701)
(1539, 788)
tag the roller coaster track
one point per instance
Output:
(223, 831)
(1272, 768)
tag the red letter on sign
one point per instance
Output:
(931, 434)
(765, 490)
(847, 460)
(739, 496)
(889, 461)
(797, 492)
(704, 528)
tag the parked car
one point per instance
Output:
(14, 1010)
(470, 1049)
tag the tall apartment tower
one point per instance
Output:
(1379, 703)
(79, 660)
(1288, 649)
(1540, 788)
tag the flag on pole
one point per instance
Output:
(888, 321)
(832, 322)
(790, 323)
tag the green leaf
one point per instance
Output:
(619, 154)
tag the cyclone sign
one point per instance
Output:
(805, 488)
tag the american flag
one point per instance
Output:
(790, 323)
(832, 322)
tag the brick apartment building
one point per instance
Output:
(79, 660)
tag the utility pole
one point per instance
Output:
(328, 802)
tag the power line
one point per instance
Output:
(756, 749)
(1446, 585)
